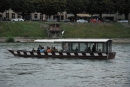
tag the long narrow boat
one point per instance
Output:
(73, 48)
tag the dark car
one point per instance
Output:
(65, 20)
(35, 19)
(49, 20)
(107, 21)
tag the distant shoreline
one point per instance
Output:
(121, 40)
(27, 39)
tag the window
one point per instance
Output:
(7, 15)
(35, 16)
(65, 46)
(83, 46)
(18, 16)
(100, 47)
(75, 47)
(13, 15)
(41, 16)
(90, 47)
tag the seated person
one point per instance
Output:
(88, 50)
(76, 49)
(33, 50)
(65, 47)
(39, 47)
(42, 50)
(49, 50)
(99, 50)
(54, 49)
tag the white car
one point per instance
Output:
(82, 21)
(17, 19)
(123, 21)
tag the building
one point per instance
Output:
(10, 14)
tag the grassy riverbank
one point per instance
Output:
(72, 30)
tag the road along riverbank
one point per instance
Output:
(31, 39)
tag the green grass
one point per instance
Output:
(21, 29)
(100, 30)
(72, 30)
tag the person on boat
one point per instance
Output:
(42, 50)
(93, 48)
(65, 47)
(33, 50)
(54, 49)
(39, 47)
(88, 50)
(99, 50)
(49, 50)
(76, 49)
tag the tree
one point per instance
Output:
(4, 5)
(123, 7)
(23, 6)
(104, 6)
(74, 7)
(50, 7)
(98, 7)
(39, 6)
(90, 6)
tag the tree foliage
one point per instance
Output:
(98, 6)
(52, 7)
(4, 5)
(74, 7)
(123, 7)
(23, 6)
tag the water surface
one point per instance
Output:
(55, 72)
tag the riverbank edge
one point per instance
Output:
(31, 39)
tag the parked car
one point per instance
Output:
(35, 19)
(17, 19)
(50, 20)
(82, 21)
(95, 21)
(107, 21)
(65, 20)
(123, 21)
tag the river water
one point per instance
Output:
(55, 72)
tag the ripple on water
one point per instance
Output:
(24, 68)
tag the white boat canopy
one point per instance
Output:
(71, 40)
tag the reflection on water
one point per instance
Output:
(52, 72)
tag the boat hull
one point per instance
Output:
(83, 55)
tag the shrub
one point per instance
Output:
(10, 39)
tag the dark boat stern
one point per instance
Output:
(111, 55)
